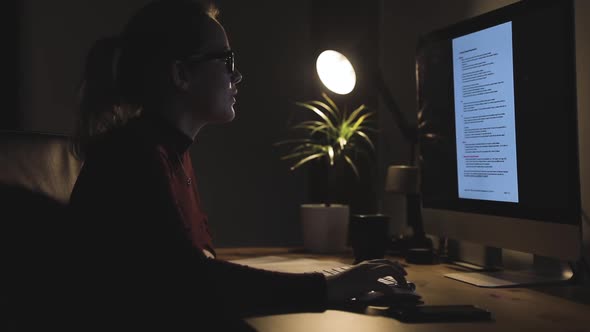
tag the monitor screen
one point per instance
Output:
(498, 92)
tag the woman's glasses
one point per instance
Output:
(227, 56)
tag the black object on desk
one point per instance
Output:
(368, 236)
(416, 248)
(441, 313)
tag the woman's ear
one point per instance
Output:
(180, 75)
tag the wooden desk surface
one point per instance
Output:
(547, 308)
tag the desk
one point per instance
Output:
(547, 308)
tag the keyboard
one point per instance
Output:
(400, 295)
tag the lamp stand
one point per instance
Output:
(416, 248)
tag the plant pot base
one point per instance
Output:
(325, 228)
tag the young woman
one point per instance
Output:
(147, 247)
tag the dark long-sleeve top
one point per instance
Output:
(144, 230)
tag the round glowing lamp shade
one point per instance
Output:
(336, 72)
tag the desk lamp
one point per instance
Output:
(338, 75)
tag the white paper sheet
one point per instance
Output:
(286, 264)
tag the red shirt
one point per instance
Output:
(144, 229)
(177, 166)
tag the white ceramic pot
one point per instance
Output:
(325, 229)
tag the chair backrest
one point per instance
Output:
(40, 162)
(37, 174)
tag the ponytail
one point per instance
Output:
(100, 107)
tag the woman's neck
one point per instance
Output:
(181, 120)
(186, 124)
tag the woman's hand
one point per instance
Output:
(362, 278)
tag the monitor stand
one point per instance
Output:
(517, 272)
(507, 278)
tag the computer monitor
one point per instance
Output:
(499, 92)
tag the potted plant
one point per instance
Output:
(338, 138)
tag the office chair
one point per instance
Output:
(42, 163)
(37, 174)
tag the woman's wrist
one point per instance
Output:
(333, 290)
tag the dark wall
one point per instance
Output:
(54, 39)
(9, 34)
(583, 85)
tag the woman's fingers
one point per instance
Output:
(364, 277)
(383, 270)
(383, 288)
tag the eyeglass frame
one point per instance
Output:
(228, 56)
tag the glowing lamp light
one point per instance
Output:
(336, 72)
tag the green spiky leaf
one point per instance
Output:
(318, 112)
(341, 136)
(354, 169)
(307, 159)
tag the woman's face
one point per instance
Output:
(212, 88)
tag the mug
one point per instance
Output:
(368, 236)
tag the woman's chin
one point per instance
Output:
(227, 116)
(222, 115)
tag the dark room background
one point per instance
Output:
(250, 195)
